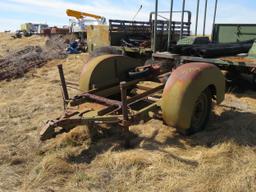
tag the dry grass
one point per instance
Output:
(8, 44)
(221, 158)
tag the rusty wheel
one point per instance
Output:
(202, 110)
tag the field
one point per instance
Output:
(220, 158)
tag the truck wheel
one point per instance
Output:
(201, 113)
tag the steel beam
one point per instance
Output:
(155, 26)
(197, 15)
(99, 99)
(215, 12)
(182, 18)
(63, 83)
(170, 27)
(205, 16)
(125, 111)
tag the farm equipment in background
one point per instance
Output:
(136, 37)
(81, 22)
(211, 50)
(174, 87)
(230, 33)
(29, 29)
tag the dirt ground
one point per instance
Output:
(220, 158)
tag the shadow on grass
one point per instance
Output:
(239, 127)
(116, 139)
(240, 85)
(236, 126)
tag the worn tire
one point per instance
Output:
(201, 114)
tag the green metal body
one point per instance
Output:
(225, 62)
(228, 33)
(105, 71)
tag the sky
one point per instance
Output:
(15, 12)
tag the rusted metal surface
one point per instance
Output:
(239, 59)
(81, 111)
(147, 85)
(66, 124)
(57, 30)
(63, 83)
(145, 94)
(125, 112)
(219, 62)
(184, 87)
(91, 97)
(107, 110)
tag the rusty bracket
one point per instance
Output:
(125, 112)
(63, 85)
(92, 97)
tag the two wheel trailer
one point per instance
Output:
(123, 91)
(119, 90)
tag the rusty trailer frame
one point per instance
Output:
(114, 111)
